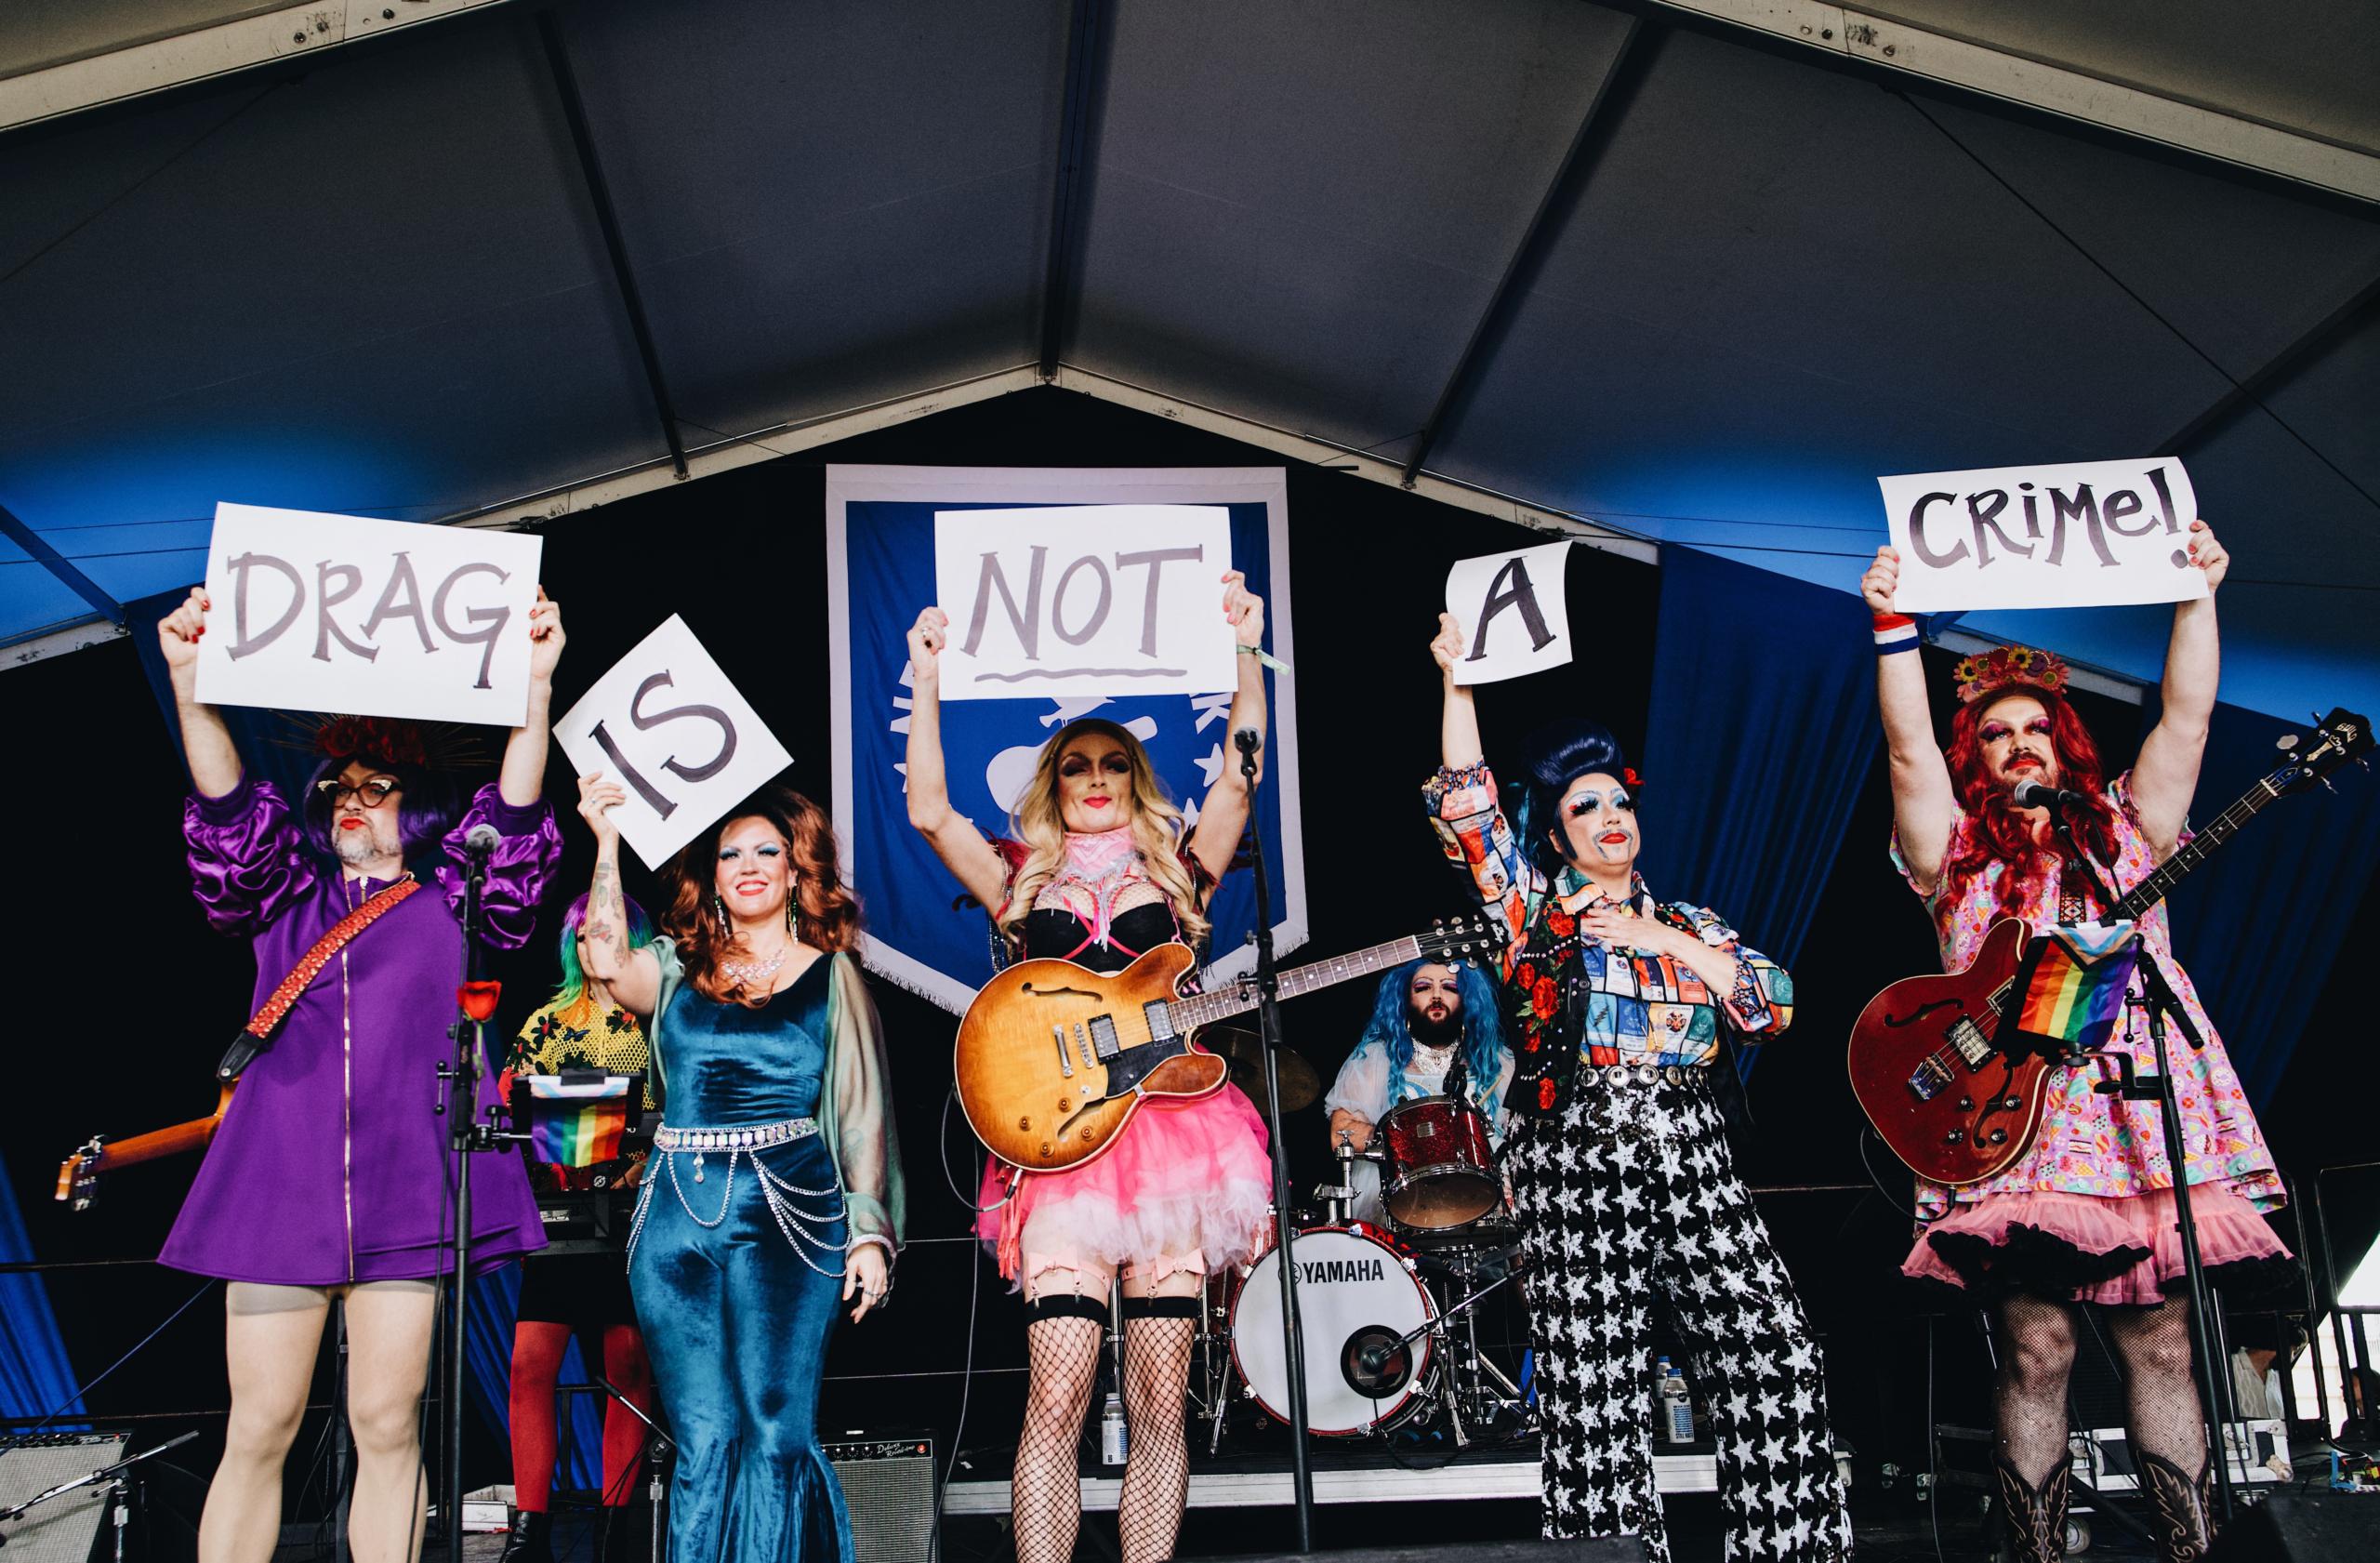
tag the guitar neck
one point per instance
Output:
(1201, 1009)
(2171, 872)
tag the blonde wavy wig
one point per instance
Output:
(1158, 827)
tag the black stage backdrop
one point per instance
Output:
(125, 997)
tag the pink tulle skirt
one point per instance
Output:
(1188, 1185)
(2089, 1248)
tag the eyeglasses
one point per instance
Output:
(372, 793)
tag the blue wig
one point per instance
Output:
(1557, 755)
(1483, 1034)
(574, 975)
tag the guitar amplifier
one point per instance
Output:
(889, 1485)
(65, 1529)
(595, 1221)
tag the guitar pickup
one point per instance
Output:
(1160, 1019)
(1931, 1079)
(1104, 1037)
(1970, 1039)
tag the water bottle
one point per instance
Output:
(1677, 1410)
(1661, 1371)
(1114, 1442)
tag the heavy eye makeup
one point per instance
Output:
(1588, 803)
(1077, 765)
(728, 854)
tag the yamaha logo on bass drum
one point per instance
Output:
(1325, 1271)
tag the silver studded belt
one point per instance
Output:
(1619, 1075)
(671, 1137)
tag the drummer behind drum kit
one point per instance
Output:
(1390, 1311)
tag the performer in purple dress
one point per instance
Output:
(328, 1177)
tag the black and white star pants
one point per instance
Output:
(1630, 1192)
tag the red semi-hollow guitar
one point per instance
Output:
(1923, 1060)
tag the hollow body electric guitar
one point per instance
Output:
(1924, 1060)
(1053, 1058)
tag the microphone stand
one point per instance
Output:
(1267, 980)
(459, 1091)
(2157, 996)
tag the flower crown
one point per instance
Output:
(440, 746)
(2002, 666)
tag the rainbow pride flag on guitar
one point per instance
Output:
(577, 1121)
(2072, 983)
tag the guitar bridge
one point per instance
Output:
(1931, 1078)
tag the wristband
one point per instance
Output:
(1273, 662)
(1895, 632)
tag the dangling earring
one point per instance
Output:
(720, 902)
(792, 894)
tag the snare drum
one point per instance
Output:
(1356, 1292)
(1440, 1173)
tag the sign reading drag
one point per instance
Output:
(666, 724)
(1074, 601)
(1093, 600)
(2072, 535)
(333, 613)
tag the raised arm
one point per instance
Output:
(522, 779)
(1924, 805)
(633, 976)
(1462, 805)
(961, 847)
(1458, 717)
(1224, 815)
(214, 760)
(2165, 775)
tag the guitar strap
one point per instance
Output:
(257, 1035)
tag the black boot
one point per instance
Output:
(2036, 1516)
(530, 1540)
(2183, 1506)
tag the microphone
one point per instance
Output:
(480, 841)
(1248, 740)
(2040, 795)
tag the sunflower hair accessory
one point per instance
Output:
(2003, 666)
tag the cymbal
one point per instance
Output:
(1300, 1084)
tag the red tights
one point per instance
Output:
(537, 1367)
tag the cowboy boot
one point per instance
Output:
(2036, 1516)
(530, 1540)
(2183, 1507)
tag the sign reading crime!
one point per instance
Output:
(333, 613)
(666, 723)
(1075, 601)
(1513, 612)
(2086, 534)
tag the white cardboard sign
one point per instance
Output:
(1072, 601)
(1514, 618)
(666, 723)
(2067, 535)
(332, 612)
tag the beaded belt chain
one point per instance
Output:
(802, 1228)
(1638, 1074)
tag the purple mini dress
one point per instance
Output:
(331, 1165)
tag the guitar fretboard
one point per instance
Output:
(2171, 872)
(1239, 997)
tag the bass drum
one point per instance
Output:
(1357, 1294)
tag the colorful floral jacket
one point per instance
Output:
(1577, 1002)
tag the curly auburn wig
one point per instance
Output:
(826, 913)
(2002, 833)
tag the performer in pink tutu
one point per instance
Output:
(2086, 1216)
(1101, 868)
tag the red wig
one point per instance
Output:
(2002, 833)
(826, 913)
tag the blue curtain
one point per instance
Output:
(487, 1371)
(35, 1378)
(1750, 668)
(2260, 924)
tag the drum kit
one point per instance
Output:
(1390, 1307)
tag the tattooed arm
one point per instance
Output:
(633, 976)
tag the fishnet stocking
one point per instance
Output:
(2168, 1431)
(1045, 1499)
(2029, 1396)
(1157, 1478)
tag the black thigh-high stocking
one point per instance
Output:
(2168, 1429)
(2028, 1404)
(1062, 1336)
(1158, 1333)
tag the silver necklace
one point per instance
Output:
(744, 973)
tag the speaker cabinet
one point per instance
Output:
(2303, 1528)
(65, 1529)
(889, 1486)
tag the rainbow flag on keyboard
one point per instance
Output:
(2074, 984)
(575, 1122)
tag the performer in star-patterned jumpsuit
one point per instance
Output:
(1618, 1159)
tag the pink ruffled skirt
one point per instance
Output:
(1188, 1185)
(2088, 1248)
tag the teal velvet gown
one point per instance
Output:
(737, 1264)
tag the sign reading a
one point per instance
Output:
(2085, 534)
(333, 613)
(1513, 613)
(666, 723)
(1077, 600)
